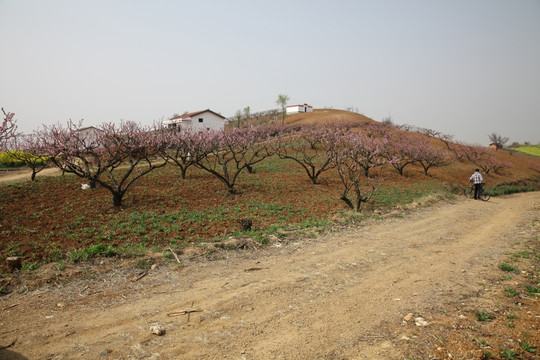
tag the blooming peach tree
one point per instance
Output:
(28, 150)
(113, 156)
(350, 152)
(226, 154)
(308, 146)
(8, 129)
(182, 147)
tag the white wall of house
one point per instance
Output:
(295, 109)
(207, 121)
(88, 135)
(198, 121)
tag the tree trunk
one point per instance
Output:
(347, 201)
(117, 199)
(358, 198)
(13, 263)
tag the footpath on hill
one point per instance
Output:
(343, 295)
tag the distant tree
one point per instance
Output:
(429, 132)
(28, 149)
(387, 121)
(247, 113)
(401, 149)
(498, 139)
(282, 102)
(8, 128)
(534, 165)
(447, 139)
(484, 159)
(430, 156)
(238, 118)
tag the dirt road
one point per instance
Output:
(340, 296)
(24, 175)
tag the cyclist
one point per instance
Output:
(477, 180)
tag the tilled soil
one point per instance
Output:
(343, 295)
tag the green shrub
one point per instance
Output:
(92, 251)
(506, 189)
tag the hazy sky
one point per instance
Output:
(463, 67)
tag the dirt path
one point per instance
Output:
(340, 296)
(24, 174)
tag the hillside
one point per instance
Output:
(318, 116)
(311, 279)
(325, 116)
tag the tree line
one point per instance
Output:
(116, 156)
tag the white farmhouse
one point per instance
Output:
(88, 135)
(198, 121)
(295, 109)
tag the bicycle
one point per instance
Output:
(482, 194)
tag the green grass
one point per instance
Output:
(388, 196)
(510, 189)
(533, 150)
(93, 251)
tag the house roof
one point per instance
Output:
(88, 128)
(195, 113)
(299, 105)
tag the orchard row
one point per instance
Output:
(116, 156)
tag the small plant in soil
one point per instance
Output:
(508, 354)
(532, 290)
(510, 292)
(487, 355)
(527, 347)
(506, 267)
(482, 316)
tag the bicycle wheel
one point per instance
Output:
(469, 192)
(484, 196)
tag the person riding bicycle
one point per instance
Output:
(478, 181)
